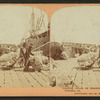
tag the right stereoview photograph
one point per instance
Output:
(75, 47)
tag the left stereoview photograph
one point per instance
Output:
(24, 47)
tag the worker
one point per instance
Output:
(64, 55)
(27, 56)
(22, 55)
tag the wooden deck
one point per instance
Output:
(18, 78)
(82, 78)
(66, 70)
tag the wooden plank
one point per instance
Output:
(54, 72)
(39, 79)
(65, 66)
(22, 79)
(8, 80)
(65, 70)
(97, 74)
(72, 75)
(2, 80)
(68, 73)
(65, 74)
(42, 79)
(93, 79)
(86, 78)
(31, 80)
(59, 65)
(45, 78)
(15, 79)
(46, 73)
(78, 79)
(62, 65)
(69, 67)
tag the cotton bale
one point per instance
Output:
(87, 59)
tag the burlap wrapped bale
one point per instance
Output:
(39, 62)
(7, 59)
(86, 60)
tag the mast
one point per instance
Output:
(35, 28)
(32, 22)
(35, 25)
(32, 25)
(32, 18)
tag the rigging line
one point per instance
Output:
(41, 21)
(40, 46)
(37, 23)
(44, 24)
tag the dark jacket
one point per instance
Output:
(22, 52)
(28, 52)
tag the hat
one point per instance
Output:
(24, 44)
(31, 44)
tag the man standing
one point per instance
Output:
(27, 56)
(22, 54)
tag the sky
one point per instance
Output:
(80, 24)
(15, 22)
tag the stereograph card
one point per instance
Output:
(49, 49)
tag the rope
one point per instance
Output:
(40, 46)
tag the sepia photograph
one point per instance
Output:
(24, 46)
(75, 47)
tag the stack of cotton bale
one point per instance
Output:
(87, 60)
(39, 55)
(39, 61)
(7, 59)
